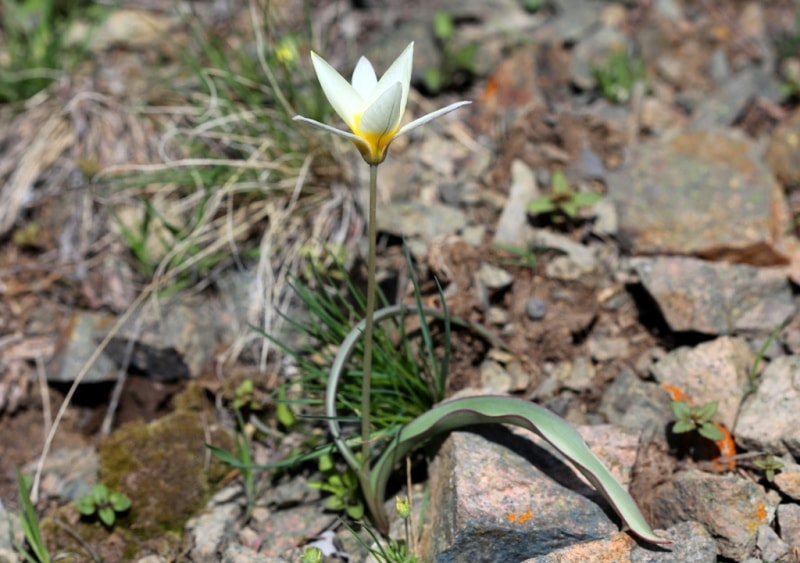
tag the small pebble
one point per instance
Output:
(536, 309)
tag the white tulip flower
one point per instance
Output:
(371, 108)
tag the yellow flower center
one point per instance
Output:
(377, 142)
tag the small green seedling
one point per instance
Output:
(106, 505)
(342, 486)
(698, 418)
(457, 61)
(563, 199)
(244, 396)
(619, 75)
(769, 465)
(524, 257)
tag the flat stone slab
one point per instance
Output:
(716, 298)
(707, 194)
(502, 496)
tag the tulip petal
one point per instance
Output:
(346, 134)
(399, 71)
(345, 99)
(429, 117)
(383, 116)
(364, 78)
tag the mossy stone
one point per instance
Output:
(163, 467)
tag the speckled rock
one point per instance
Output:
(770, 546)
(789, 522)
(783, 154)
(777, 395)
(503, 496)
(691, 544)
(707, 193)
(634, 404)
(716, 298)
(788, 482)
(729, 507)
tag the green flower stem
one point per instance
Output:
(366, 380)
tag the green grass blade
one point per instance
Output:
(30, 522)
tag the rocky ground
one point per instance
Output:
(680, 283)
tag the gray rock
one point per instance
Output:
(783, 153)
(789, 522)
(607, 348)
(767, 420)
(575, 19)
(691, 544)
(10, 533)
(729, 507)
(577, 375)
(542, 239)
(494, 278)
(536, 309)
(210, 530)
(175, 340)
(605, 218)
(712, 371)
(420, 220)
(718, 66)
(237, 553)
(79, 341)
(716, 298)
(668, 9)
(634, 404)
(706, 193)
(282, 530)
(502, 496)
(69, 474)
(723, 107)
(149, 559)
(788, 482)
(770, 546)
(514, 218)
(494, 378)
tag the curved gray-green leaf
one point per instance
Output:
(460, 413)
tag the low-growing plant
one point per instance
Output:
(103, 504)
(342, 487)
(769, 465)
(696, 418)
(562, 199)
(617, 78)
